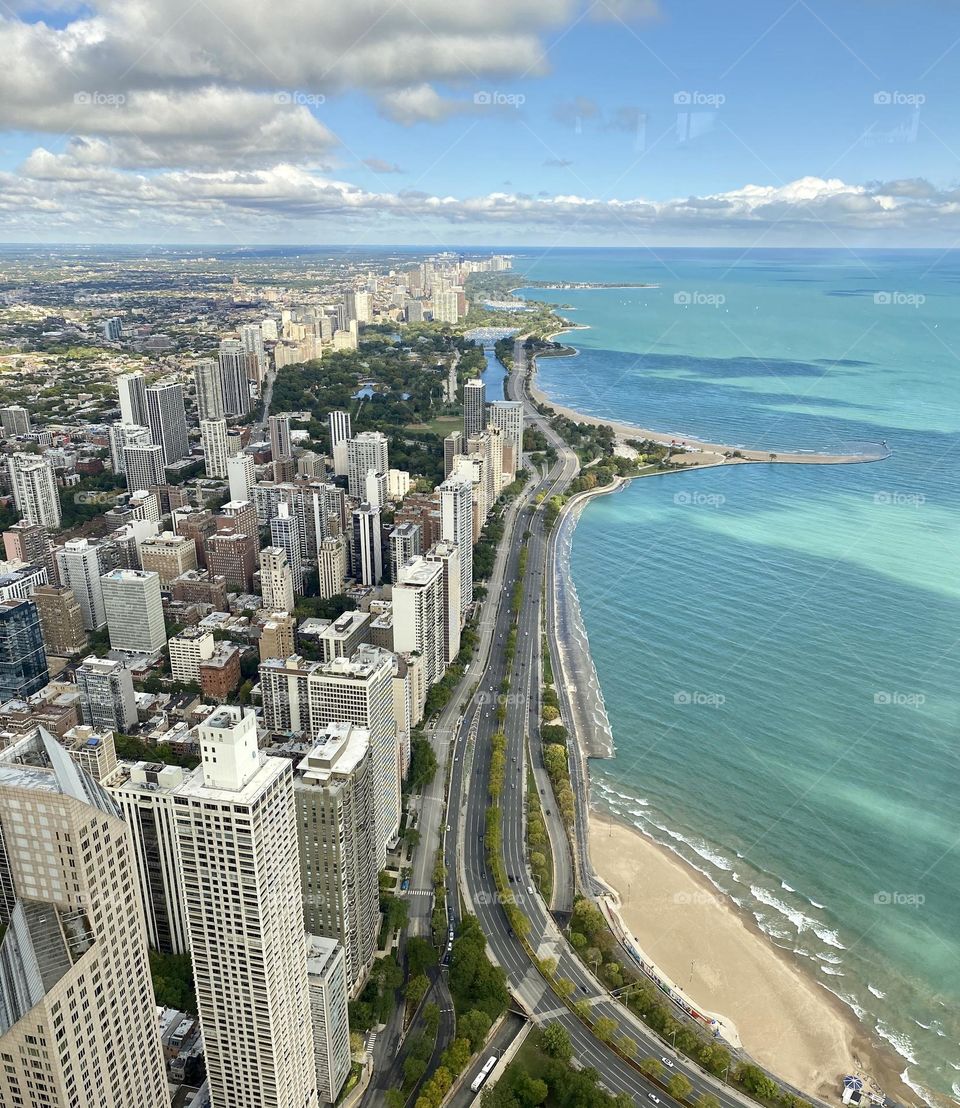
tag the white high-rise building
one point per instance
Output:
(108, 701)
(133, 399)
(14, 420)
(143, 465)
(406, 540)
(213, 439)
(209, 382)
(242, 476)
(167, 420)
(474, 407)
(276, 579)
(456, 525)
(365, 451)
(367, 545)
(448, 555)
(251, 336)
(240, 868)
(419, 614)
(34, 489)
(508, 416)
(327, 975)
(446, 306)
(333, 788)
(123, 435)
(235, 378)
(79, 567)
(281, 445)
(375, 489)
(285, 534)
(331, 565)
(144, 792)
(78, 1020)
(339, 424)
(134, 608)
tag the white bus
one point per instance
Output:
(483, 1074)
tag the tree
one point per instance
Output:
(563, 987)
(652, 1067)
(555, 1040)
(456, 1056)
(421, 955)
(626, 1046)
(755, 1081)
(423, 763)
(475, 1026)
(413, 1069)
(679, 1086)
(605, 1028)
(705, 1100)
(416, 988)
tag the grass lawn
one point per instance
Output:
(441, 426)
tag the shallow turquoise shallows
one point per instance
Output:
(779, 646)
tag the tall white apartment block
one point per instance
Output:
(285, 533)
(339, 424)
(419, 614)
(242, 476)
(78, 1020)
(251, 336)
(167, 420)
(209, 383)
(474, 407)
(331, 565)
(448, 555)
(508, 416)
(134, 608)
(326, 969)
(276, 580)
(473, 468)
(14, 420)
(405, 541)
(333, 788)
(240, 869)
(367, 545)
(456, 526)
(366, 451)
(123, 435)
(144, 793)
(107, 698)
(187, 650)
(143, 466)
(35, 489)
(213, 439)
(133, 399)
(359, 689)
(79, 567)
(375, 489)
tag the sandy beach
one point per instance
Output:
(785, 1020)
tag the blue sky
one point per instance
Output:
(489, 120)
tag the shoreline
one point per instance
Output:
(700, 452)
(785, 1019)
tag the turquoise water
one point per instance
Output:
(782, 680)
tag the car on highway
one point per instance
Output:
(666, 1062)
(653, 1097)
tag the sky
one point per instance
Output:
(620, 122)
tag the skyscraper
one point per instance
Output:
(30, 543)
(405, 543)
(452, 446)
(209, 383)
(367, 545)
(133, 400)
(241, 474)
(474, 407)
(213, 439)
(285, 534)
(79, 569)
(134, 610)
(123, 435)
(143, 465)
(34, 489)
(107, 698)
(331, 566)
(334, 794)
(508, 416)
(245, 919)
(339, 424)
(418, 614)
(167, 420)
(326, 970)
(276, 579)
(14, 421)
(235, 377)
(448, 555)
(456, 523)
(61, 621)
(281, 445)
(366, 451)
(23, 662)
(78, 1021)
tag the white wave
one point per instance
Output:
(900, 1043)
(803, 953)
(797, 918)
(878, 993)
(831, 958)
(734, 876)
(955, 1066)
(850, 1003)
(925, 1026)
(815, 904)
(769, 928)
(833, 972)
(787, 888)
(918, 1089)
(955, 1089)
(825, 935)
